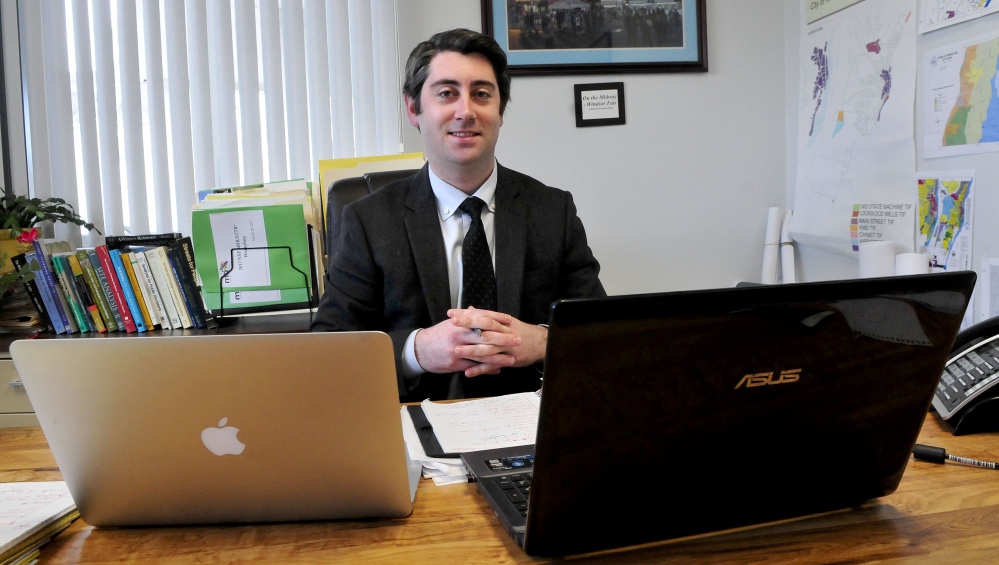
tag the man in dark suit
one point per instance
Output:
(459, 263)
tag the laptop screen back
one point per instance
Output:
(144, 428)
(701, 411)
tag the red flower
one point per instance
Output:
(28, 236)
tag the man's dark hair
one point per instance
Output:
(462, 41)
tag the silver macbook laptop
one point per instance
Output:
(223, 428)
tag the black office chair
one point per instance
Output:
(345, 191)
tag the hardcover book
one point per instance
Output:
(96, 289)
(190, 269)
(61, 306)
(189, 290)
(146, 279)
(127, 318)
(83, 290)
(105, 282)
(150, 239)
(19, 262)
(140, 297)
(126, 289)
(61, 269)
(162, 274)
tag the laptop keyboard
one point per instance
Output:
(517, 484)
(516, 488)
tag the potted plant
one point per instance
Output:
(18, 217)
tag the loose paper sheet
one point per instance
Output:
(490, 423)
(239, 230)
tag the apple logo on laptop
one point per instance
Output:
(222, 440)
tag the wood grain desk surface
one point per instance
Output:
(940, 513)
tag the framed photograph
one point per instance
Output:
(599, 104)
(569, 37)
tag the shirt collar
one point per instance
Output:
(449, 197)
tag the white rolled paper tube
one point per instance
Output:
(771, 247)
(912, 264)
(877, 259)
(786, 250)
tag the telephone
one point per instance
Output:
(967, 397)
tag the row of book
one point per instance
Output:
(130, 284)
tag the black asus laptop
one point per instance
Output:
(667, 415)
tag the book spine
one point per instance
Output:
(96, 290)
(43, 257)
(184, 295)
(86, 298)
(19, 262)
(126, 290)
(156, 301)
(186, 247)
(60, 267)
(152, 239)
(186, 282)
(158, 264)
(140, 299)
(102, 276)
(46, 291)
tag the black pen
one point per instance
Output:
(938, 455)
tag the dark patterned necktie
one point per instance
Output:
(478, 280)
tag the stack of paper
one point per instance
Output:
(30, 515)
(472, 425)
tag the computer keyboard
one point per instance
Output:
(517, 488)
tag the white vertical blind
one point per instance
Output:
(156, 110)
(130, 81)
(249, 91)
(201, 97)
(107, 124)
(151, 101)
(270, 40)
(180, 121)
(87, 107)
(341, 105)
(387, 83)
(361, 63)
(223, 87)
(317, 73)
(295, 93)
(58, 103)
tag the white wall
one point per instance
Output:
(677, 198)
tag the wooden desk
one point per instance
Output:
(940, 513)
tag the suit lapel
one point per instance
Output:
(427, 244)
(511, 235)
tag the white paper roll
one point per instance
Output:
(912, 264)
(877, 259)
(786, 250)
(771, 247)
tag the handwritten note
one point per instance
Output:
(27, 507)
(489, 423)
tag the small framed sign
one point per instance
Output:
(599, 104)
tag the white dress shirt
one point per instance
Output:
(454, 226)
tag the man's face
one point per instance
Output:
(460, 118)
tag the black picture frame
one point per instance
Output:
(597, 100)
(571, 37)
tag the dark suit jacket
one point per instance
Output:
(389, 271)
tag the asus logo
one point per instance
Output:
(760, 379)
